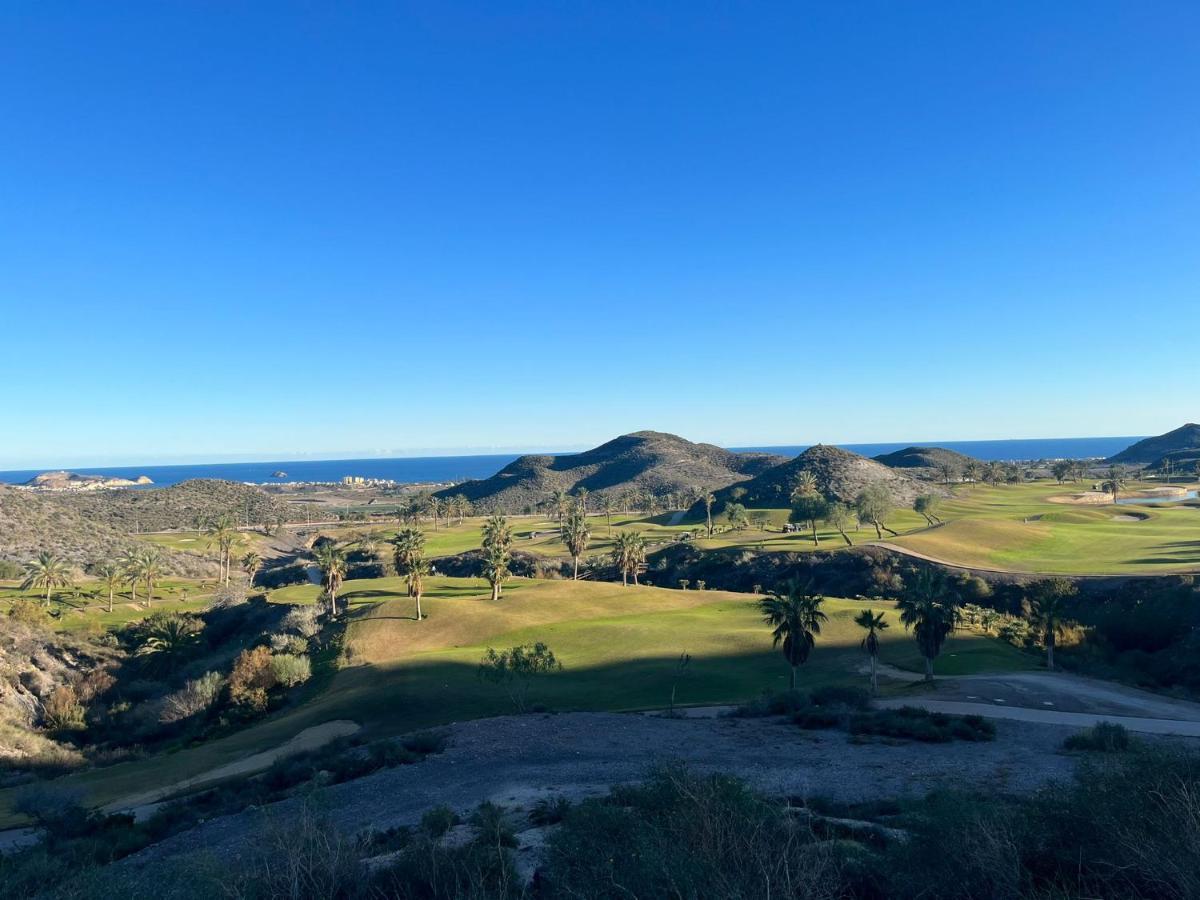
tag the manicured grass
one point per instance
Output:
(618, 646)
(1017, 528)
(84, 606)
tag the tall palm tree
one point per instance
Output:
(495, 567)
(130, 563)
(874, 623)
(560, 503)
(577, 534)
(151, 568)
(608, 506)
(1114, 481)
(435, 510)
(581, 500)
(331, 560)
(251, 563)
(929, 608)
(796, 616)
(111, 578)
(222, 534)
(418, 568)
(709, 500)
(497, 532)
(1048, 600)
(45, 573)
(628, 555)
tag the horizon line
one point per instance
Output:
(437, 453)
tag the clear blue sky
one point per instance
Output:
(263, 229)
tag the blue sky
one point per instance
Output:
(276, 229)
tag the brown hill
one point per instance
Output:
(189, 504)
(840, 475)
(31, 523)
(646, 461)
(1151, 449)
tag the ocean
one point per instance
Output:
(460, 468)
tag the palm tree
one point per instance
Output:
(410, 561)
(874, 623)
(1047, 602)
(45, 573)
(331, 560)
(130, 563)
(251, 563)
(628, 555)
(168, 637)
(150, 568)
(111, 578)
(930, 608)
(497, 532)
(1114, 481)
(560, 502)
(608, 506)
(576, 534)
(435, 510)
(581, 500)
(805, 484)
(495, 567)
(709, 500)
(796, 616)
(222, 533)
(417, 570)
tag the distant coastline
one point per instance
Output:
(459, 468)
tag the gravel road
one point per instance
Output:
(515, 760)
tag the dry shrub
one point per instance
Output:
(251, 678)
(193, 698)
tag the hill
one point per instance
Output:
(1182, 462)
(840, 475)
(932, 459)
(188, 504)
(642, 461)
(31, 523)
(1152, 449)
(73, 481)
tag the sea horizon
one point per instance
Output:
(444, 469)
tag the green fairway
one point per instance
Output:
(1018, 528)
(618, 647)
(85, 605)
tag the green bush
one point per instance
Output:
(425, 742)
(549, 811)
(290, 670)
(918, 724)
(1103, 737)
(437, 821)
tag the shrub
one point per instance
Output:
(193, 698)
(252, 676)
(304, 621)
(1103, 737)
(29, 613)
(289, 670)
(62, 711)
(227, 596)
(842, 696)
(549, 811)
(921, 725)
(288, 643)
(437, 821)
(516, 668)
(492, 825)
(425, 742)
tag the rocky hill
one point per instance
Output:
(73, 481)
(185, 505)
(642, 461)
(1183, 463)
(840, 475)
(1152, 449)
(31, 523)
(927, 461)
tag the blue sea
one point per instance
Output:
(442, 469)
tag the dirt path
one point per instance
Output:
(308, 739)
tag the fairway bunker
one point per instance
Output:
(1130, 517)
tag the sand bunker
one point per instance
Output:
(1131, 517)
(1083, 498)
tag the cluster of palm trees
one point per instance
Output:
(222, 533)
(137, 566)
(629, 555)
(928, 608)
(497, 553)
(409, 556)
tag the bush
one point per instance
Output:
(921, 725)
(492, 825)
(437, 821)
(193, 698)
(1103, 737)
(227, 596)
(62, 711)
(289, 670)
(282, 576)
(29, 613)
(304, 621)
(549, 811)
(252, 676)
(425, 742)
(841, 696)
